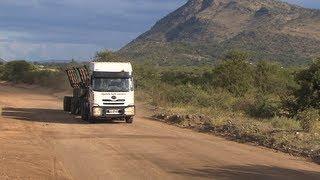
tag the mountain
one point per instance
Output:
(2, 61)
(202, 31)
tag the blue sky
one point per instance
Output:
(65, 29)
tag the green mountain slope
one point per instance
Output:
(202, 31)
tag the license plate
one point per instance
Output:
(113, 111)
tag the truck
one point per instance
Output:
(104, 91)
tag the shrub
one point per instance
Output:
(244, 103)
(289, 106)
(146, 76)
(47, 78)
(24, 72)
(181, 76)
(183, 94)
(309, 119)
(158, 93)
(107, 56)
(1, 71)
(221, 99)
(235, 75)
(17, 71)
(272, 78)
(237, 55)
(265, 107)
(284, 123)
(308, 95)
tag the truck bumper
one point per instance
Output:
(114, 112)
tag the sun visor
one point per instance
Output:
(111, 75)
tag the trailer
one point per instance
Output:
(104, 91)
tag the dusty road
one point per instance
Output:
(39, 141)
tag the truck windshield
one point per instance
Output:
(110, 85)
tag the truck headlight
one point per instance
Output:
(97, 111)
(129, 111)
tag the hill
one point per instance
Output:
(2, 61)
(201, 31)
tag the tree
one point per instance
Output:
(17, 71)
(107, 56)
(270, 77)
(308, 95)
(234, 74)
(1, 71)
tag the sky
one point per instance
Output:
(65, 29)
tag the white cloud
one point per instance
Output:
(32, 29)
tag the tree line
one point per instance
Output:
(263, 89)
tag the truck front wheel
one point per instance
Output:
(129, 120)
(84, 111)
(85, 114)
(90, 119)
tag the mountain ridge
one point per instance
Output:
(201, 31)
(2, 60)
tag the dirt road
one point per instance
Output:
(39, 141)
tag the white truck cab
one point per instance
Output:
(105, 90)
(111, 94)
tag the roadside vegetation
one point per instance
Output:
(21, 71)
(262, 103)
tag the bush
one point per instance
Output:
(184, 94)
(308, 95)
(146, 76)
(24, 72)
(309, 119)
(1, 71)
(159, 94)
(284, 123)
(235, 75)
(265, 107)
(47, 78)
(107, 56)
(221, 99)
(182, 76)
(17, 71)
(272, 78)
(244, 103)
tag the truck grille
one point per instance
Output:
(113, 102)
(110, 100)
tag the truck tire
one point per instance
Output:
(84, 111)
(80, 103)
(90, 119)
(67, 103)
(129, 120)
(73, 106)
(85, 114)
